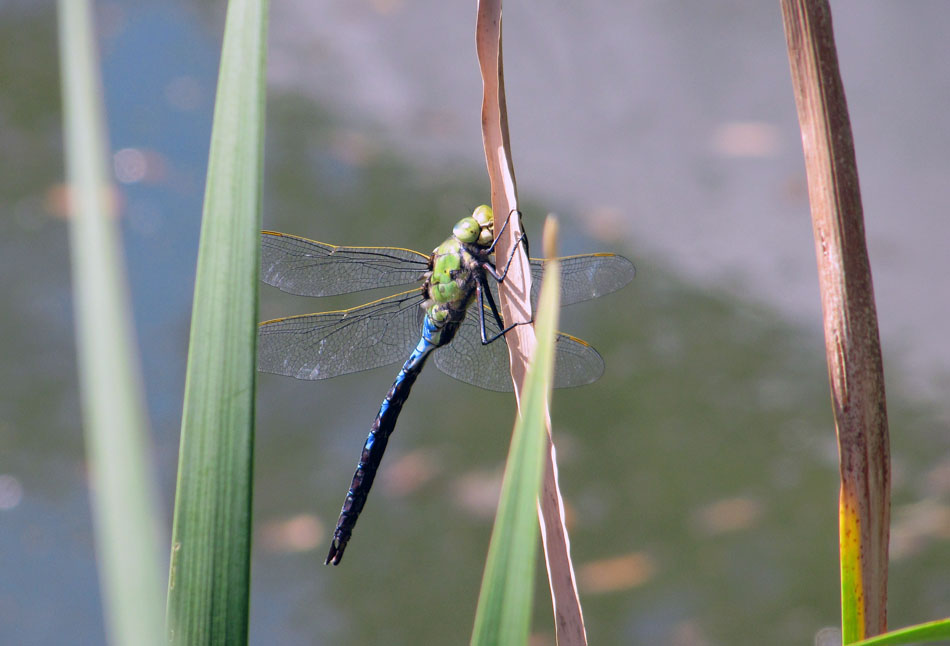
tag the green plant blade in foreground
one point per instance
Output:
(921, 633)
(505, 600)
(209, 578)
(124, 504)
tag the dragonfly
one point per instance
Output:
(451, 316)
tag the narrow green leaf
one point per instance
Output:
(209, 578)
(124, 503)
(929, 632)
(505, 600)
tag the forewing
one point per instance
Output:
(309, 268)
(584, 277)
(329, 344)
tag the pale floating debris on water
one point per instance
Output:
(411, 472)
(916, 525)
(300, 533)
(755, 139)
(130, 165)
(728, 515)
(829, 636)
(11, 492)
(618, 573)
(477, 492)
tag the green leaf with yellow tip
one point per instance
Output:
(505, 601)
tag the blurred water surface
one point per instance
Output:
(699, 472)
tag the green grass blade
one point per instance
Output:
(209, 578)
(505, 600)
(921, 633)
(124, 504)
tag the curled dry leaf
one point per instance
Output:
(516, 306)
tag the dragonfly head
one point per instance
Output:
(477, 228)
(483, 215)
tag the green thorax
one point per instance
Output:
(451, 281)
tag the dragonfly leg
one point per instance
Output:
(522, 239)
(482, 292)
(501, 276)
(524, 236)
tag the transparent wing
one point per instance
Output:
(466, 359)
(582, 277)
(486, 366)
(585, 277)
(329, 344)
(576, 363)
(309, 268)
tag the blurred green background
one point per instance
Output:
(699, 472)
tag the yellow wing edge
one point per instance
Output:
(598, 254)
(336, 246)
(346, 311)
(576, 340)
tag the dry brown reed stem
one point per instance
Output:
(516, 306)
(852, 344)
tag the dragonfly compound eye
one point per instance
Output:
(486, 220)
(483, 215)
(467, 230)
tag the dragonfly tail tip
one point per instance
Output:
(336, 553)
